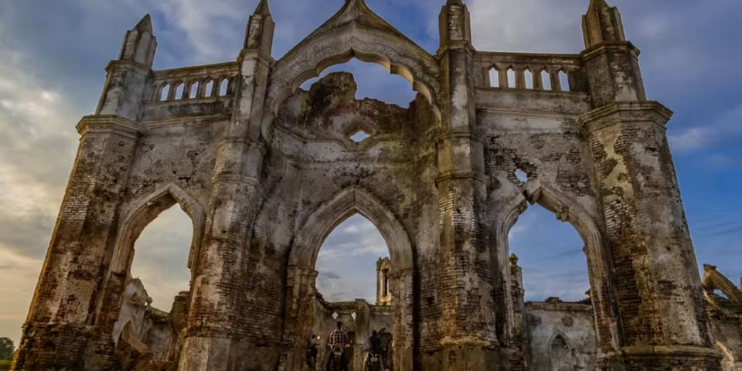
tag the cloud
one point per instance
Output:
(330, 275)
(726, 130)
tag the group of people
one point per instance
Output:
(339, 340)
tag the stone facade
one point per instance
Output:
(266, 170)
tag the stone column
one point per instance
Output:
(466, 276)
(662, 310)
(404, 327)
(61, 322)
(217, 326)
(299, 318)
(657, 288)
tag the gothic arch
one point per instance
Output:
(589, 229)
(354, 32)
(145, 211)
(558, 334)
(329, 215)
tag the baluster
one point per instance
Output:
(502, 72)
(520, 78)
(187, 90)
(215, 87)
(572, 78)
(171, 92)
(556, 84)
(201, 88)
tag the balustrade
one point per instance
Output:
(192, 83)
(558, 73)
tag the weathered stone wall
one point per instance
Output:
(573, 322)
(266, 171)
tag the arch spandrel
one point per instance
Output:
(354, 32)
(330, 214)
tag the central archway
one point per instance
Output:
(302, 274)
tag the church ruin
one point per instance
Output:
(266, 170)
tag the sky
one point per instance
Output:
(53, 55)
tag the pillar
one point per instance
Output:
(465, 294)
(61, 329)
(657, 289)
(299, 318)
(216, 330)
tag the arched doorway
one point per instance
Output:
(124, 301)
(301, 280)
(599, 272)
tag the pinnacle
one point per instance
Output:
(454, 2)
(599, 4)
(263, 8)
(145, 24)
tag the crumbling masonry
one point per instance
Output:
(266, 170)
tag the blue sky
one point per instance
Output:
(52, 69)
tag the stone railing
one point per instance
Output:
(545, 72)
(191, 83)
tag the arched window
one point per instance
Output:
(180, 91)
(209, 89)
(529, 79)
(223, 87)
(564, 81)
(546, 80)
(494, 78)
(164, 93)
(511, 78)
(194, 91)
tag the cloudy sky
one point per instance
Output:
(53, 54)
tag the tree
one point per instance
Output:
(6, 348)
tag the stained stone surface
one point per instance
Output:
(266, 170)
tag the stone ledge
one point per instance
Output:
(610, 47)
(110, 124)
(625, 112)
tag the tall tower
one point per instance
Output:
(383, 282)
(214, 333)
(468, 322)
(65, 321)
(658, 296)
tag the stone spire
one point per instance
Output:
(145, 24)
(259, 32)
(602, 24)
(263, 8)
(455, 23)
(140, 43)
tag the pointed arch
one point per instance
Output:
(556, 336)
(145, 211)
(590, 230)
(329, 215)
(354, 32)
